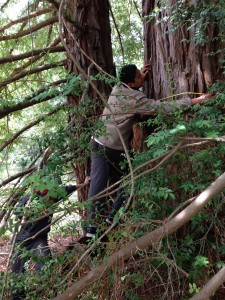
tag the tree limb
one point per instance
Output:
(118, 32)
(29, 72)
(32, 53)
(15, 176)
(30, 125)
(33, 59)
(31, 100)
(211, 286)
(26, 18)
(4, 4)
(29, 30)
(145, 241)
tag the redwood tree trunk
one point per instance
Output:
(95, 41)
(178, 64)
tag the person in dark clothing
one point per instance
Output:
(32, 238)
(124, 104)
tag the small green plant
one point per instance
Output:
(193, 289)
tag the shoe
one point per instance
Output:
(110, 218)
(88, 238)
(84, 240)
(91, 231)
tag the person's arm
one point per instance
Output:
(72, 188)
(86, 182)
(201, 98)
(147, 106)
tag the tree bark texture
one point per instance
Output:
(178, 64)
(95, 41)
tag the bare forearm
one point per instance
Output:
(201, 98)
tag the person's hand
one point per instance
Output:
(87, 180)
(206, 96)
(202, 98)
(145, 70)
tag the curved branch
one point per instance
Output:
(145, 241)
(32, 53)
(29, 72)
(26, 18)
(30, 29)
(31, 100)
(30, 125)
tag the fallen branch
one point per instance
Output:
(211, 286)
(145, 241)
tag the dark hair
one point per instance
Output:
(127, 73)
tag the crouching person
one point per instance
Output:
(32, 239)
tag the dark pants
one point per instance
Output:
(38, 248)
(105, 165)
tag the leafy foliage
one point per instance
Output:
(197, 249)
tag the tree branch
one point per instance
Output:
(4, 4)
(15, 176)
(26, 18)
(30, 29)
(33, 59)
(145, 241)
(211, 286)
(118, 32)
(29, 72)
(32, 53)
(31, 100)
(30, 125)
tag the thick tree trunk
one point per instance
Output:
(95, 41)
(178, 64)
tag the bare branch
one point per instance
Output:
(145, 241)
(30, 29)
(137, 9)
(29, 72)
(32, 53)
(211, 286)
